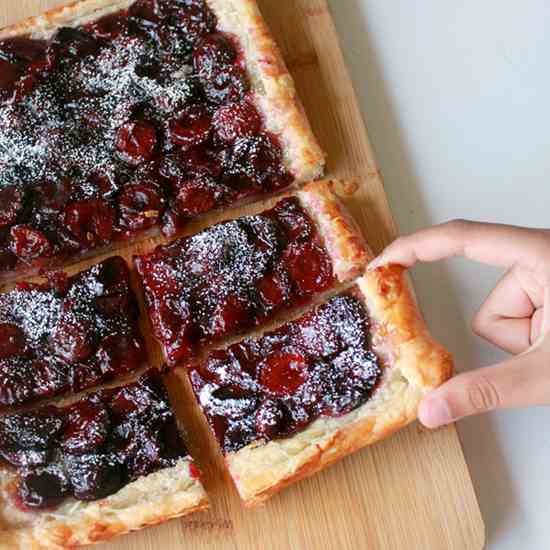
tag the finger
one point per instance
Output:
(500, 245)
(504, 319)
(518, 382)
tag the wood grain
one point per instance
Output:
(412, 491)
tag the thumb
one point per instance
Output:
(518, 382)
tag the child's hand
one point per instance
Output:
(512, 317)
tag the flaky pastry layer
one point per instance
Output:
(152, 499)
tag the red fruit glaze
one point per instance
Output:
(320, 364)
(283, 373)
(231, 276)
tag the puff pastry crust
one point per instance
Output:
(413, 363)
(153, 499)
(342, 237)
(273, 88)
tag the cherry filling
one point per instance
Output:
(143, 118)
(68, 334)
(92, 448)
(321, 364)
(232, 276)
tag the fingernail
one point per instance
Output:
(434, 413)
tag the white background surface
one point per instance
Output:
(456, 98)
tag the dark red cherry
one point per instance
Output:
(36, 430)
(257, 158)
(52, 197)
(212, 53)
(27, 49)
(284, 372)
(269, 418)
(196, 196)
(309, 267)
(236, 120)
(118, 354)
(140, 206)
(191, 127)
(115, 304)
(114, 275)
(48, 378)
(12, 340)
(42, 488)
(200, 160)
(227, 85)
(274, 289)
(229, 316)
(295, 221)
(91, 221)
(72, 338)
(136, 141)
(150, 10)
(131, 400)
(86, 426)
(28, 243)
(105, 183)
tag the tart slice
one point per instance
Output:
(241, 273)
(68, 334)
(346, 374)
(105, 465)
(121, 117)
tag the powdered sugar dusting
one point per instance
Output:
(233, 275)
(320, 364)
(68, 338)
(68, 126)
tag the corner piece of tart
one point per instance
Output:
(121, 118)
(112, 462)
(287, 403)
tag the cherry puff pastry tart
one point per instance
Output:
(122, 117)
(289, 402)
(86, 470)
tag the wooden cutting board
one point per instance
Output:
(412, 491)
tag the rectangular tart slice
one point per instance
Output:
(350, 372)
(240, 273)
(121, 117)
(102, 466)
(68, 334)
